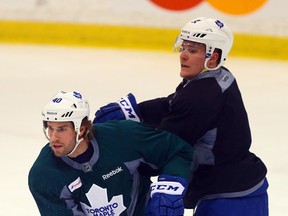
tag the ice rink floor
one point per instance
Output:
(31, 75)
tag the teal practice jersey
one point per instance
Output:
(108, 183)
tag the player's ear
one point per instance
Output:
(215, 56)
(82, 130)
(214, 60)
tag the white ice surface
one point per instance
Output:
(30, 75)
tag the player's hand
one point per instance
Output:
(167, 197)
(125, 108)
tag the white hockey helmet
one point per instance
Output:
(67, 106)
(211, 32)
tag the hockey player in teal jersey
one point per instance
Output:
(92, 170)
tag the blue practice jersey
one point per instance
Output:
(208, 112)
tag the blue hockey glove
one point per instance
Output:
(125, 108)
(167, 197)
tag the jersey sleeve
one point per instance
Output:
(49, 205)
(134, 141)
(153, 111)
(47, 193)
(163, 150)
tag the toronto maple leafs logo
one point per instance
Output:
(77, 95)
(100, 205)
(219, 23)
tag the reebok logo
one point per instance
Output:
(112, 173)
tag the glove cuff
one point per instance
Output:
(167, 187)
(129, 107)
(168, 184)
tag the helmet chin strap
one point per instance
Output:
(78, 141)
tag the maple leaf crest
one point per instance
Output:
(99, 204)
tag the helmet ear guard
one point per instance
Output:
(211, 32)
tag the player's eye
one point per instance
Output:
(188, 48)
(49, 129)
(61, 130)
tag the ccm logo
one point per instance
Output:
(173, 188)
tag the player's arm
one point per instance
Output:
(166, 196)
(174, 158)
(168, 191)
(150, 112)
(50, 199)
(153, 111)
(49, 204)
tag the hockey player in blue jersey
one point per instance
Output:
(92, 170)
(207, 111)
